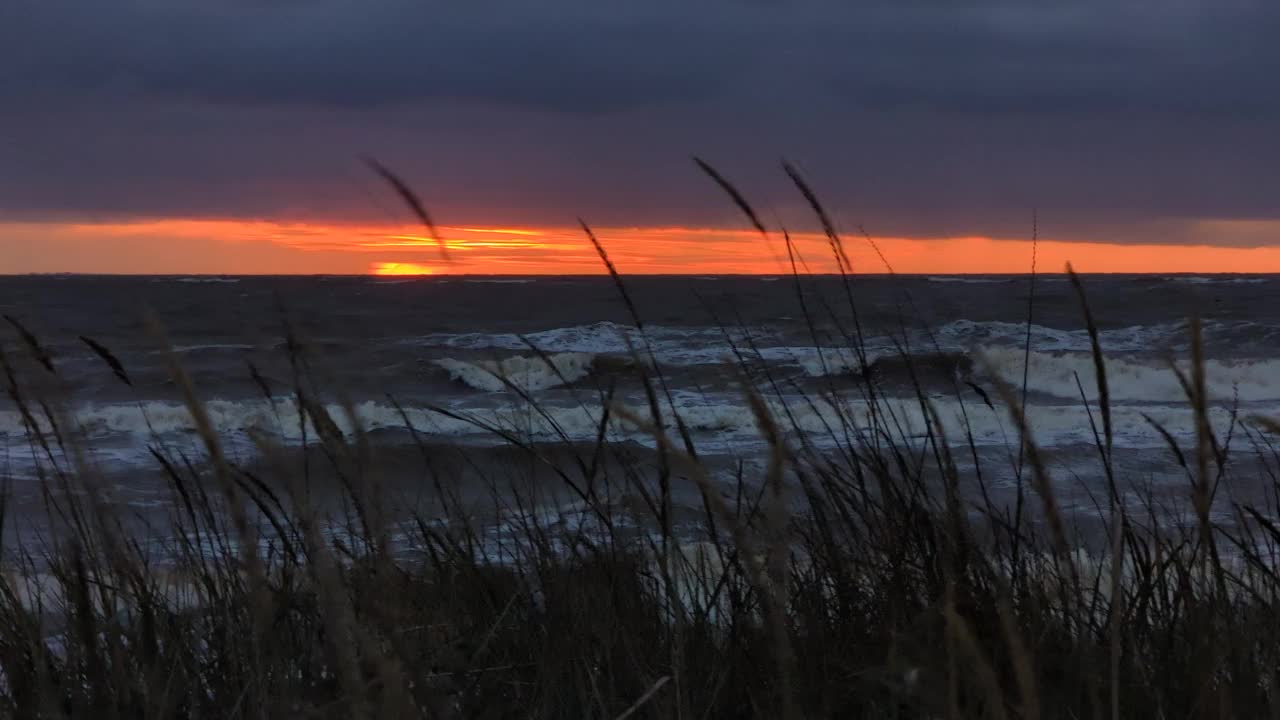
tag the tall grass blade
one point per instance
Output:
(412, 200)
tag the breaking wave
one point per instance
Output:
(698, 345)
(723, 422)
(965, 334)
(671, 345)
(1131, 380)
(1051, 372)
(526, 373)
(817, 361)
(828, 361)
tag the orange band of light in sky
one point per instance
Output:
(183, 246)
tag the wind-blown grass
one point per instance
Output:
(849, 578)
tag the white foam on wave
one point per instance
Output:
(963, 336)
(818, 361)
(281, 419)
(671, 345)
(1199, 280)
(967, 334)
(1133, 381)
(208, 346)
(702, 345)
(601, 337)
(526, 373)
(278, 418)
(719, 422)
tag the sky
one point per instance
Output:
(175, 136)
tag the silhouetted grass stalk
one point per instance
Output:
(852, 576)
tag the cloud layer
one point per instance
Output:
(1118, 121)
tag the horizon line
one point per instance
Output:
(605, 274)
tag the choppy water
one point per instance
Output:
(478, 346)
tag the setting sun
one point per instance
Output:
(400, 268)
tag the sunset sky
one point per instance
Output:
(198, 137)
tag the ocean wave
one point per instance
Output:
(526, 373)
(208, 346)
(819, 361)
(703, 344)
(815, 361)
(601, 337)
(695, 345)
(1202, 280)
(200, 280)
(499, 281)
(970, 280)
(722, 423)
(884, 363)
(280, 418)
(1051, 372)
(959, 337)
(677, 347)
(965, 334)
(1130, 380)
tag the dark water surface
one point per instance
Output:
(436, 343)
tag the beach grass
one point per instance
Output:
(875, 574)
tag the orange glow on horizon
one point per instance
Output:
(186, 245)
(396, 268)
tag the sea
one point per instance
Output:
(479, 362)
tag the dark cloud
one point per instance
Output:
(1118, 120)
(576, 56)
(361, 54)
